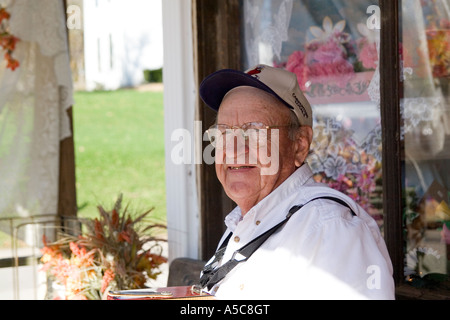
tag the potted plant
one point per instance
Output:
(114, 251)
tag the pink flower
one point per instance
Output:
(296, 64)
(329, 52)
(445, 234)
(368, 54)
(327, 59)
(366, 181)
(75, 249)
(107, 278)
(342, 67)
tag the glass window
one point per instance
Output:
(425, 111)
(333, 47)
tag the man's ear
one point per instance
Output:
(303, 142)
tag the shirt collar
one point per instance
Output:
(297, 179)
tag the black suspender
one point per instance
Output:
(212, 275)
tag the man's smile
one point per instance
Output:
(240, 168)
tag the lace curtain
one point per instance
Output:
(33, 103)
(266, 25)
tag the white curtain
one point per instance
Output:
(425, 110)
(33, 103)
(266, 26)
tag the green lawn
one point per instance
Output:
(119, 148)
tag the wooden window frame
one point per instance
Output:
(393, 150)
(217, 44)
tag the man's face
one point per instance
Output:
(246, 173)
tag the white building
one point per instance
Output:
(121, 39)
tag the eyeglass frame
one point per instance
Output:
(241, 128)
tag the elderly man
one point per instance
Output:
(289, 237)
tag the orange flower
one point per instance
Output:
(107, 278)
(75, 249)
(13, 64)
(8, 42)
(4, 15)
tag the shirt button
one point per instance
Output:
(258, 222)
(241, 287)
(237, 239)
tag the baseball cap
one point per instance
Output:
(280, 83)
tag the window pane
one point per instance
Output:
(333, 47)
(426, 128)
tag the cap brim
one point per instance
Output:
(214, 87)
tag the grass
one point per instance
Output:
(119, 148)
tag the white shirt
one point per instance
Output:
(323, 252)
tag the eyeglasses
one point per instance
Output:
(253, 131)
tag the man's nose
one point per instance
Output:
(236, 146)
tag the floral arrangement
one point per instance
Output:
(438, 39)
(333, 52)
(425, 261)
(341, 163)
(418, 269)
(115, 252)
(7, 41)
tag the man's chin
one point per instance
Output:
(237, 190)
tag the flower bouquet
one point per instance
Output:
(438, 40)
(333, 65)
(115, 251)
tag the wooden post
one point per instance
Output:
(67, 200)
(390, 88)
(216, 27)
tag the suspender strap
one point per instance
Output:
(211, 276)
(341, 202)
(218, 255)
